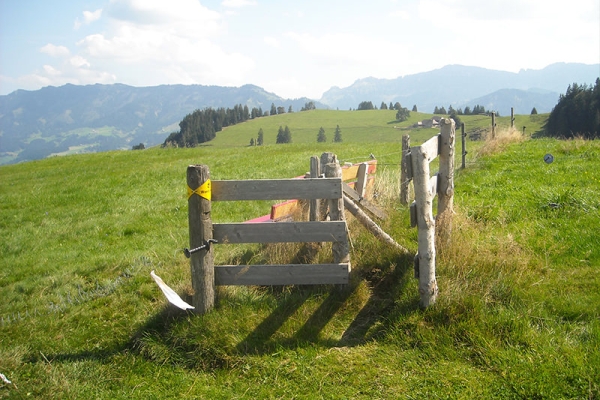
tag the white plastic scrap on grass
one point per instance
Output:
(5, 380)
(170, 293)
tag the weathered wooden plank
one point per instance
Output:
(286, 274)
(430, 149)
(285, 210)
(277, 189)
(351, 172)
(364, 203)
(361, 180)
(281, 232)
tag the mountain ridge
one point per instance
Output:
(85, 118)
(460, 86)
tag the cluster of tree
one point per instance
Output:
(577, 112)
(403, 114)
(202, 125)
(284, 135)
(467, 111)
(368, 105)
(279, 109)
(138, 147)
(322, 137)
(308, 106)
(259, 140)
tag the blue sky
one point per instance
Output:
(293, 49)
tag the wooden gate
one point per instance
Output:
(204, 233)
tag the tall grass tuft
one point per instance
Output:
(504, 137)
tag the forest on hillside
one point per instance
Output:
(577, 113)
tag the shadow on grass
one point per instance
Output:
(161, 322)
(386, 289)
(181, 338)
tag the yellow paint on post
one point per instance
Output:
(203, 191)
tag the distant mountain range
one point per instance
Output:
(73, 119)
(462, 86)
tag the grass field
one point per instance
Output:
(518, 315)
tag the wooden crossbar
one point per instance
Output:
(284, 274)
(277, 189)
(281, 232)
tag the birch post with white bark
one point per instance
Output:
(421, 156)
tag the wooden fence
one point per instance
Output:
(415, 168)
(325, 191)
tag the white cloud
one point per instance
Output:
(271, 41)
(91, 16)
(238, 3)
(55, 51)
(78, 61)
(88, 18)
(175, 42)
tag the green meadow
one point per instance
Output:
(518, 314)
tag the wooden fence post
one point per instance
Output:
(425, 259)
(326, 158)
(512, 117)
(464, 144)
(340, 250)
(446, 173)
(201, 231)
(493, 125)
(405, 171)
(315, 172)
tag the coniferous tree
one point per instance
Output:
(280, 135)
(287, 135)
(383, 106)
(321, 137)
(533, 111)
(414, 108)
(273, 109)
(260, 139)
(337, 136)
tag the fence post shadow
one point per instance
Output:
(382, 302)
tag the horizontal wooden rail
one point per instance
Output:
(286, 274)
(351, 172)
(431, 148)
(282, 232)
(277, 189)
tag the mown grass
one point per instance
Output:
(517, 316)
